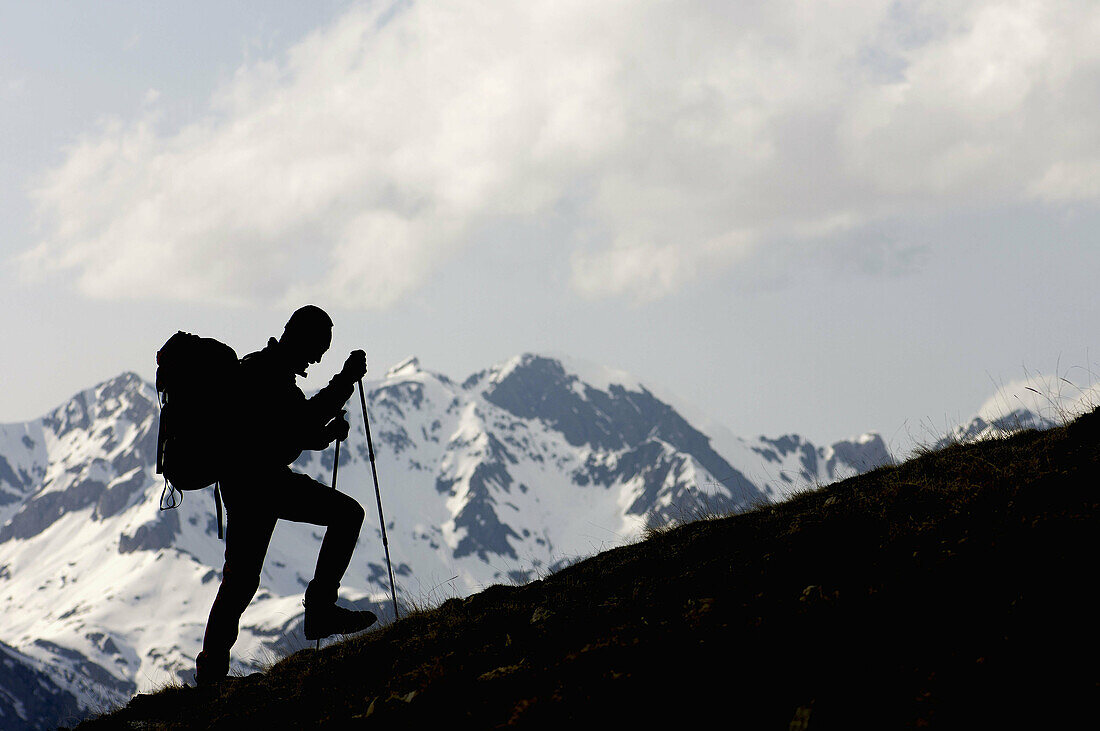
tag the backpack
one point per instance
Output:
(198, 379)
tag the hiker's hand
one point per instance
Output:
(340, 427)
(355, 367)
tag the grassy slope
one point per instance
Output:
(951, 589)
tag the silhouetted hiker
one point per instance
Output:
(259, 492)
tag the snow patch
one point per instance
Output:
(407, 367)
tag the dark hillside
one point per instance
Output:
(953, 590)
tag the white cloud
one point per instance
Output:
(1058, 398)
(682, 135)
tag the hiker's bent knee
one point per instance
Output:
(348, 513)
(355, 514)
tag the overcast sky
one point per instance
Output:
(824, 217)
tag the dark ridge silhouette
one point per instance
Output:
(954, 590)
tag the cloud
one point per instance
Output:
(679, 137)
(1058, 398)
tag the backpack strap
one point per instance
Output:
(218, 507)
(160, 444)
(168, 499)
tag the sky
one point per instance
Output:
(820, 216)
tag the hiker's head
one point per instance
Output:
(306, 337)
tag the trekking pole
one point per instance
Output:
(335, 469)
(336, 464)
(378, 495)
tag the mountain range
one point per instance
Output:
(514, 472)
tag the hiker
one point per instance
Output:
(261, 488)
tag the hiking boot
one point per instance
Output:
(230, 680)
(325, 620)
(211, 668)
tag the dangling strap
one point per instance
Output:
(218, 506)
(168, 494)
(168, 498)
(161, 435)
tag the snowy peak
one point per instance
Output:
(95, 450)
(535, 387)
(125, 396)
(816, 464)
(623, 437)
(853, 456)
(407, 367)
(990, 427)
(574, 370)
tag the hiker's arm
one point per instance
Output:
(330, 400)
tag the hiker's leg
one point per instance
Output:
(247, 534)
(345, 518)
(305, 500)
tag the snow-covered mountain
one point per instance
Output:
(517, 470)
(986, 426)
